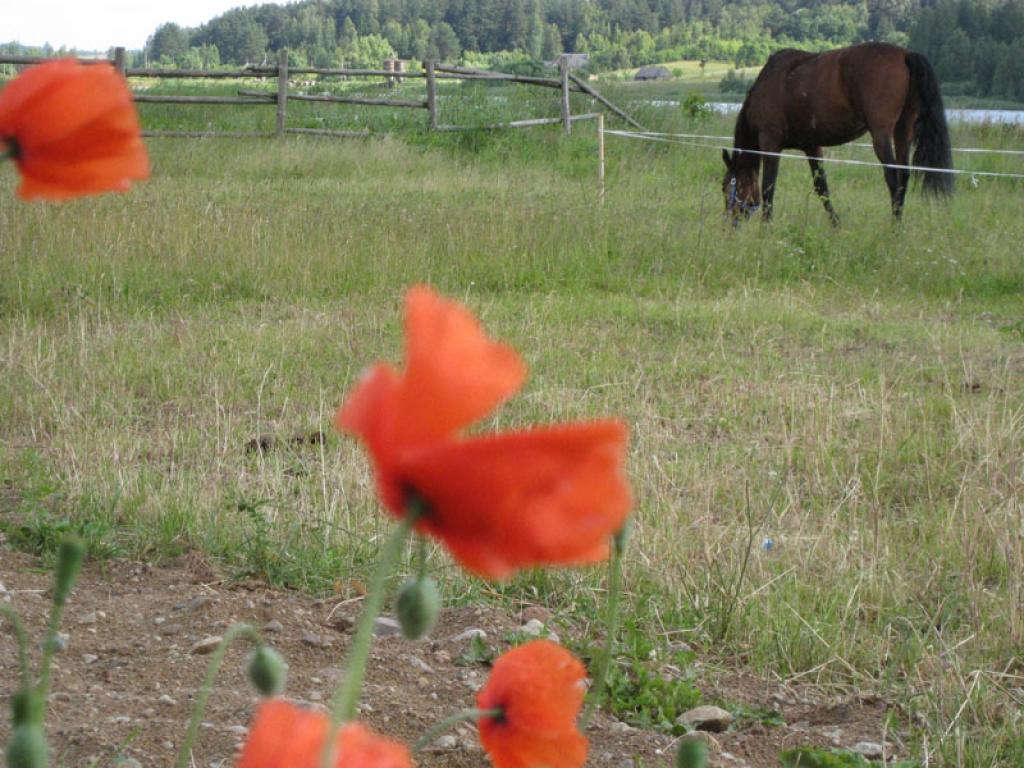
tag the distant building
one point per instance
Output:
(576, 60)
(652, 73)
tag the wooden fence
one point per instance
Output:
(432, 72)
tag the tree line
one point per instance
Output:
(977, 45)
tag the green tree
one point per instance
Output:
(445, 42)
(552, 47)
(169, 43)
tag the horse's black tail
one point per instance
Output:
(931, 136)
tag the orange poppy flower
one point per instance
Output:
(286, 736)
(72, 130)
(551, 495)
(539, 689)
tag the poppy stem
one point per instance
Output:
(343, 706)
(459, 717)
(7, 151)
(238, 630)
(18, 630)
(421, 556)
(611, 627)
(69, 563)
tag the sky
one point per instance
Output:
(101, 24)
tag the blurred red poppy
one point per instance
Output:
(286, 736)
(538, 688)
(545, 496)
(72, 130)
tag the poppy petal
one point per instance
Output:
(286, 736)
(75, 129)
(521, 499)
(454, 374)
(539, 689)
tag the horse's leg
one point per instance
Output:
(881, 140)
(904, 136)
(820, 184)
(769, 174)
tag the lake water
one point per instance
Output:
(1004, 116)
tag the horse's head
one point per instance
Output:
(740, 186)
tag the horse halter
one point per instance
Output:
(734, 204)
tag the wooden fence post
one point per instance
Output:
(431, 93)
(119, 59)
(600, 157)
(282, 89)
(563, 70)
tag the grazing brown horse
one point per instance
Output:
(807, 101)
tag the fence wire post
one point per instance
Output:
(282, 89)
(600, 157)
(431, 93)
(563, 70)
(119, 60)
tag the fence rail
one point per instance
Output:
(432, 71)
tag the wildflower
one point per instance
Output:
(72, 130)
(551, 495)
(537, 689)
(286, 736)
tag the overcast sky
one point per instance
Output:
(101, 24)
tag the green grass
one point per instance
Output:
(853, 394)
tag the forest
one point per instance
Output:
(977, 46)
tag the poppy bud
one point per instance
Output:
(69, 562)
(267, 670)
(26, 707)
(621, 537)
(692, 753)
(418, 605)
(27, 747)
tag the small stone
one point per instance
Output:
(533, 628)
(167, 744)
(442, 656)
(167, 630)
(535, 612)
(127, 762)
(445, 743)
(385, 626)
(869, 749)
(316, 696)
(240, 730)
(205, 646)
(193, 605)
(340, 623)
(90, 658)
(273, 626)
(314, 640)
(620, 727)
(421, 665)
(835, 735)
(158, 620)
(88, 618)
(679, 646)
(167, 701)
(468, 634)
(706, 718)
(60, 642)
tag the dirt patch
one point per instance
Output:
(124, 685)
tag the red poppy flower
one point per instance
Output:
(73, 130)
(286, 736)
(539, 689)
(543, 496)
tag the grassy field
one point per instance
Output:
(854, 395)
